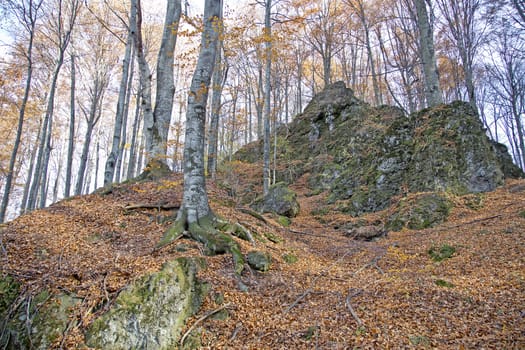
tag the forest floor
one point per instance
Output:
(324, 290)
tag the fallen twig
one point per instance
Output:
(253, 213)
(152, 206)
(208, 314)
(301, 297)
(310, 234)
(351, 309)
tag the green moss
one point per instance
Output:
(290, 258)
(258, 260)
(443, 283)
(158, 303)
(419, 340)
(9, 290)
(272, 237)
(419, 212)
(444, 252)
(522, 214)
(284, 221)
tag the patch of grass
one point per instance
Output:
(290, 258)
(522, 214)
(419, 340)
(273, 237)
(319, 211)
(284, 221)
(443, 283)
(444, 252)
(361, 330)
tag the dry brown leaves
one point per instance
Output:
(92, 246)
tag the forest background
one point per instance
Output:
(62, 65)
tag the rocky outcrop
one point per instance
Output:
(365, 156)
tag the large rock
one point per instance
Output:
(364, 156)
(150, 313)
(35, 322)
(280, 200)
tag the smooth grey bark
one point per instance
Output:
(267, 96)
(195, 215)
(27, 186)
(92, 118)
(27, 14)
(145, 83)
(109, 173)
(71, 140)
(195, 199)
(123, 136)
(132, 163)
(219, 77)
(428, 57)
(165, 82)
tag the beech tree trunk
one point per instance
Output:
(428, 58)
(111, 162)
(165, 84)
(219, 76)
(267, 96)
(71, 141)
(195, 215)
(92, 117)
(145, 83)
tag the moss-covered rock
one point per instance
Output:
(280, 200)
(258, 260)
(364, 156)
(452, 152)
(150, 313)
(510, 170)
(33, 322)
(419, 211)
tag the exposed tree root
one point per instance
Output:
(213, 233)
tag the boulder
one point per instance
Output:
(280, 200)
(258, 260)
(150, 313)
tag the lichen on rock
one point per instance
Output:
(150, 313)
(280, 200)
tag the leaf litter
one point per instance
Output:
(339, 293)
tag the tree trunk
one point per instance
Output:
(71, 141)
(195, 215)
(120, 159)
(218, 82)
(30, 16)
(91, 119)
(267, 95)
(109, 173)
(145, 84)
(165, 84)
(132, 164)
(428, 58)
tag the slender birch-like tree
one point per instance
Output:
(27, 12)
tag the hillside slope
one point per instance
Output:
(324, 289)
